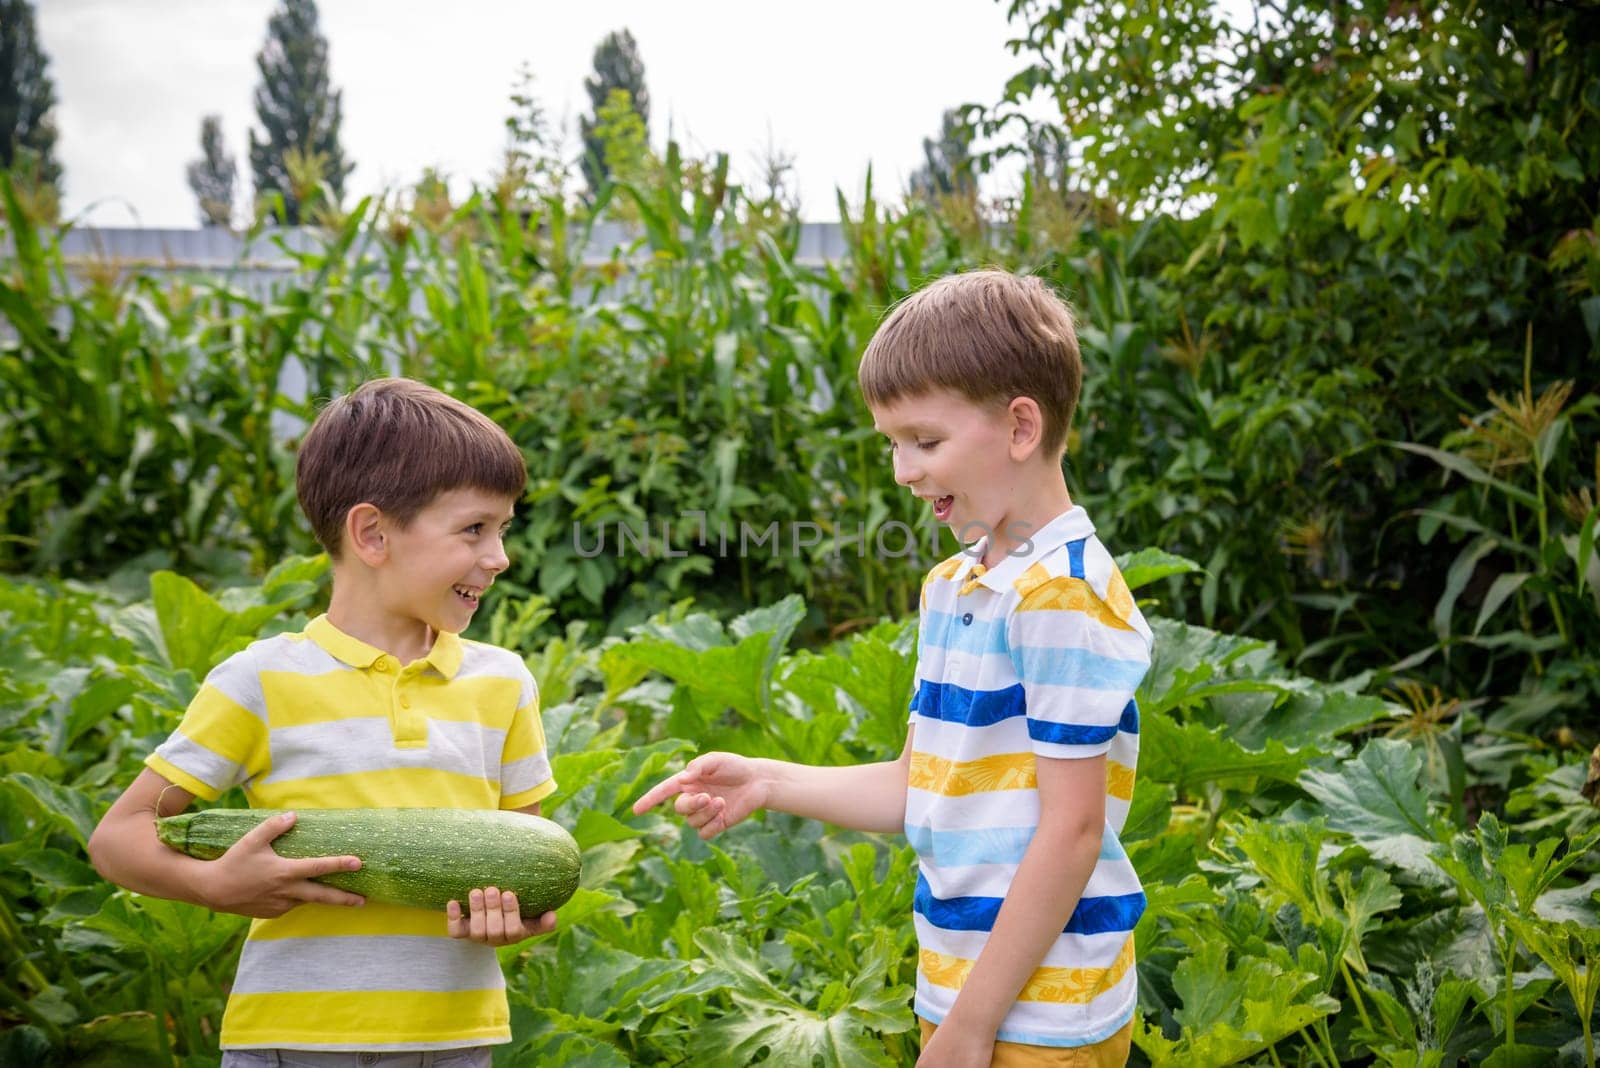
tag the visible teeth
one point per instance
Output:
(464, 592)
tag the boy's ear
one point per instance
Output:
(1027, 427)
(364, 534)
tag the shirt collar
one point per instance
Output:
(1070, 525)
(445, 656)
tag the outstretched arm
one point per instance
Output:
(249, 879)
(717, 790)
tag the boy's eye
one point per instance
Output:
(476, 528)
(926, 444)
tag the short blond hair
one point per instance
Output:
(397, 444)
(988, 335)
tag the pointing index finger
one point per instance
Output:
(659, 793)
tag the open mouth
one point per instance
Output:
(467, 594)
(942, 506)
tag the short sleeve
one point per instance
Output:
(221, 741)
(1078, 665)
(525, 775)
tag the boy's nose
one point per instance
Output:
(905, 473)
(496, 560)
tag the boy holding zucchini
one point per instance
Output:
(1018, 765)
(376, 704)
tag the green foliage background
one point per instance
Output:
(1339, 285)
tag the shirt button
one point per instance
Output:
(967, 619)
(405, 702)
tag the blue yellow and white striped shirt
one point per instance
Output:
(1038, 656)
(320, 719)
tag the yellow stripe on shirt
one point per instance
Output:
(1002, 771)
(296, 700)
(1074, 986)
(180, 778)
(280, 1019)
(432, 787)
(1042, 592)
(223, 725)
(1118, 597)
(527, 741)
(314, 920)
(1119, 780)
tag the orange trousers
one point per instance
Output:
(1107, 1053)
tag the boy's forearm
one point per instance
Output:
(862, 797)
(136, 860)
(1046, 889)
(125, 850)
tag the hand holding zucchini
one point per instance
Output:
(422, 857)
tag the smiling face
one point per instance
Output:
(439, 564)
(956, 455)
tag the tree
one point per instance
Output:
(533, 164)
(948, 167)
(299, 111)
(1364, 223)
(617, 66)
(27, 96)
(214, 175)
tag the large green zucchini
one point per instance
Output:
(424, 857)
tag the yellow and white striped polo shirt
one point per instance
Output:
(1038, 656)
(319, 719)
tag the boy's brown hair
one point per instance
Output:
(397, 444)
(990, 336)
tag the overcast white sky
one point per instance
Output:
(835, 83)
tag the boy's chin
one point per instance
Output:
(968, 531)
(453, 620)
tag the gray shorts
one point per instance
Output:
(473, 1057)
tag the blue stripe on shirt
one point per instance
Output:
(946, 630)
(975, 708)
(1094, 915)
(1069, 733)
(949, 703)
(1075, 558)
(1130, 718)
(951, 849)
(1069, 666)
(987, 845)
